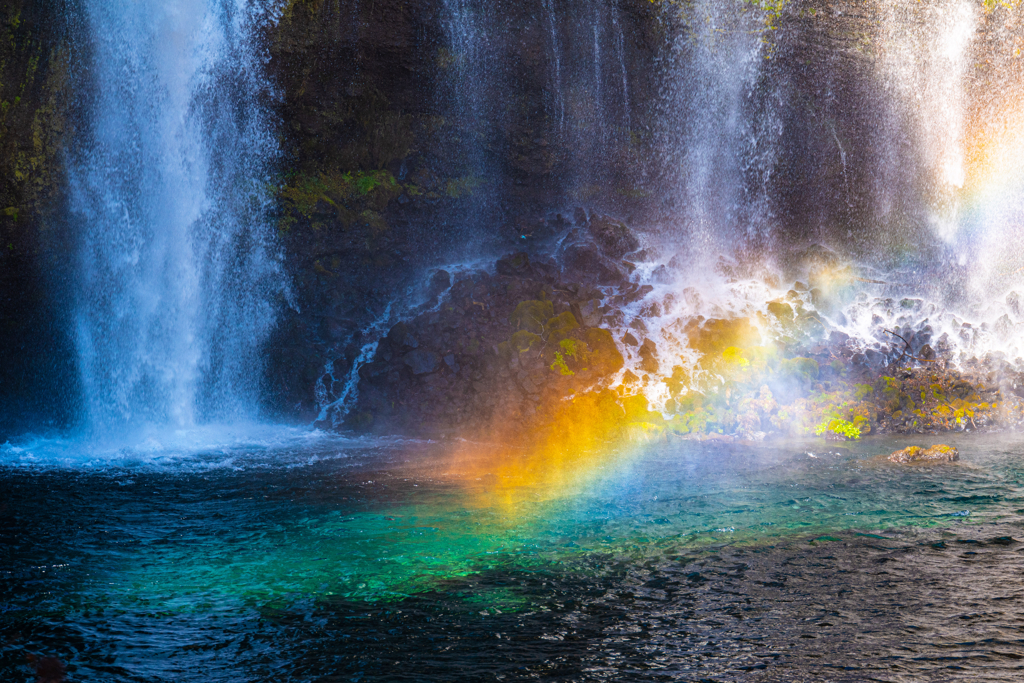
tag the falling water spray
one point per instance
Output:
(925, 62)
(178, 269)
(718, 134)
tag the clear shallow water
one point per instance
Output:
(300, 556)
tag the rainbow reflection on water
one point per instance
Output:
(152, 570)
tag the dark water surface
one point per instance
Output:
(342, 560)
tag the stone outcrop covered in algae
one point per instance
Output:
(916, 455)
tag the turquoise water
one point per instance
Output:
(230, 564)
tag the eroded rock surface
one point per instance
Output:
(504, 348)
(501, 344)
(918, 455)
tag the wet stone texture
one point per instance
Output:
(498, 345)
(497, 349)
(917, 455)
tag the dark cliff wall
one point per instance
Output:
(36, 365)
(414, 135)
(423, 132)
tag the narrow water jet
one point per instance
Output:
(466, 99)
(620, 54)
(556, 62)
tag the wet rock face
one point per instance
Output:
(649, 356)
(500, 345)
(423, 362)
(586, 263)
(916, 455)
(614, 237)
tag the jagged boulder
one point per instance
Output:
(613, 237)
(514, 265)
(649, 356)
(585, 262)
(422, 362)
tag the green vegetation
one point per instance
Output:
(772, 9)
(561, 366)
(457, 188)
(570, 349)
(560, 326)
(522, 341)
(990, 5)
(862, 391)
(838, 427)
(33, 84)
(354, 196)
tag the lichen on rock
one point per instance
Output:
(918, 455)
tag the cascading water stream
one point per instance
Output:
(959, 185)
(556, 62)
(598, 66)
(717, 134)
(178, 268)
(925, 62)
(620, 53)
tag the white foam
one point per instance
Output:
(220, 446)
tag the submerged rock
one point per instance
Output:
(933, 454)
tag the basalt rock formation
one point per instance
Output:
(414, 134)
(501, 350)
(37, 372)
(497, 345)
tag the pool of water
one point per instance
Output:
(306, 557)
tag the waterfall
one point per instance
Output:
(620, 53)
(466, 99)
(556, 60)
(924, 65)
(950, 70)
(598, 65)
(178, 268)
(719, 126)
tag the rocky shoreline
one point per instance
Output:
(551, 342)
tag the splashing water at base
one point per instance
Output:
(857, 300)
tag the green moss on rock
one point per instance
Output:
(715, 335)
(523, 340)
(532, 315)
(917, 455)
(558, 327)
